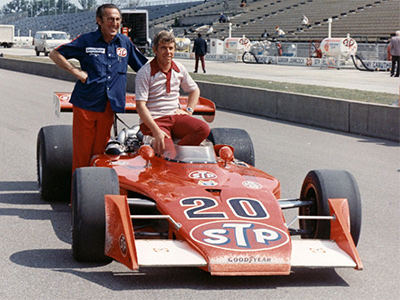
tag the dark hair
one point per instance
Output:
(101, 8)
(199, 34)
(163, 37)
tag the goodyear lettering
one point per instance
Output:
(250, 260)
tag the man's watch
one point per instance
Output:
(189, 110)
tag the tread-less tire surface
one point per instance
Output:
(90, 184)
(54, 162)
(319, 186)
(239, 139)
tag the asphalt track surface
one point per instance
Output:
(35, 237)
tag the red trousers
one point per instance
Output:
(90, 134)
(191, 131)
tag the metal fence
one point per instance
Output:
(365, 51)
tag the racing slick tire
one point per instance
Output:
(54, 162)
(90, 185)
(319, 186)
(239, 139)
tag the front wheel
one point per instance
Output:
(318, 187)
(90, 185)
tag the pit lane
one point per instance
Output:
(35, 256)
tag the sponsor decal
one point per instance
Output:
(202, 175)
(239, 235)
(95, 51)
(122, 244)
(208, 183)
(65, 97)
(118, 163)
(381, 65)
(348, 42)
(252, 185)
(121, 52)
(297, 61)
(250, 259)
(198, 167)
(317, 250)
(157, 250)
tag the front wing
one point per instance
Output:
(121, 245)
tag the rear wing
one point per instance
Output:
(204, 107)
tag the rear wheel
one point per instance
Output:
(318, 187)
(239, 139)
(54, 162)
(90, 185)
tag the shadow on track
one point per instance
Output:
(115, 276)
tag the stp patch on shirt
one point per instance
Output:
(121, 52)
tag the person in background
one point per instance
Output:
(395, 52)
(279, 32)
(200, 50)
(222, 18)
(265, 34)
(104, 56)
(157, 87)
(304, 20)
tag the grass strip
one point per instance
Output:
(330, 92)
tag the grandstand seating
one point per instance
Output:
(366, 20)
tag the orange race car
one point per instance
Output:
(205, 206)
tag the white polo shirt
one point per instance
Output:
(161, 90)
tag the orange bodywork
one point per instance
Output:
(225, 211)
(340, 229)
(237, 235)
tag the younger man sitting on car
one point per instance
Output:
(157, 88)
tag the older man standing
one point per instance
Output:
(104, 56)
(395, 51)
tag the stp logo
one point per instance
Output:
(239, 235)
(65, 97)
(202, 175)
(121, 52)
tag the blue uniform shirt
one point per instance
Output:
(106, 65)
